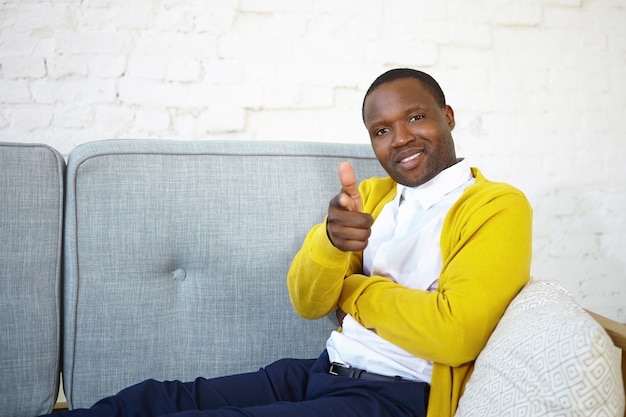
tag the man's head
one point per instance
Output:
(410, 125)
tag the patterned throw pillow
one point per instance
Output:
(546, 357)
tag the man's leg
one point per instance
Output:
(152, 398)
(285, 388)
(330, 396)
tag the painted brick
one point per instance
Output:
(183, 70)
(174, 44)
(352, 7)
(64, 66)
(28, 119)
(218, 71)
(312, 72)
(152, 120)
(471, 34)
(77, 43)
(20, 67)
(107, 66)
(517, 13)
(404, 54)
(73, 116)
(14, 92)
(538, 88)
(17, 43)
(273, 25)
(184, 123)
(218, 18)
(272, 6)
(117, 15)
(238, 95)
(150, 67)
(570, 3)
(114, 120)
(240, 46)
(43, 17)
(152, 93)
(221, 120)
(73, 91)
(414, 12)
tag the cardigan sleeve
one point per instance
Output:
(316, 276)
(486, 250)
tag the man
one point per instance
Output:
(425, 284)
(419, 267)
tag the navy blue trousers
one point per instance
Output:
(287, 388)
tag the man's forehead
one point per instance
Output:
(402, 92)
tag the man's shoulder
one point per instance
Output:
(377, 186)
(376, 192)
(484, 185)
(377, 182)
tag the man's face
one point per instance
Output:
(411, 134)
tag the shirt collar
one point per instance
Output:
(433, 190)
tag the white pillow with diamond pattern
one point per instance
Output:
(546, 357)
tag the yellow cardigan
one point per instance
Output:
(486, 250)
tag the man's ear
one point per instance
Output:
(449, 116)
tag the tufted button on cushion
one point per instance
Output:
(179, 275)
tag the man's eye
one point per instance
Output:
(381, 132)
(416, 117)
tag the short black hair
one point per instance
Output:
(428, 82)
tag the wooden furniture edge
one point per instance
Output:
(617, 332)
(60, 407)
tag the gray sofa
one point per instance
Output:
(31, 226)
(167, 260)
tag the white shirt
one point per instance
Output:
(404, 247)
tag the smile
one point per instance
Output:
(410, 158)
(410, 162)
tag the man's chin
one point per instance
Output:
(412, 181)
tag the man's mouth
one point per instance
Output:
(410, 161)
(411, 157)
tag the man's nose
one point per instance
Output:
(403, 136)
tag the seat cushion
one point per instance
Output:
(546, 357)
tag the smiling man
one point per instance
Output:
(418, 266)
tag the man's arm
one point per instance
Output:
(318, 269)
(316, 275)
(486, 248)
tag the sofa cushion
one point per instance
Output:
(31, 212)
(177, 254)
(546, 357)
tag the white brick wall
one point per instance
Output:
(538, 86)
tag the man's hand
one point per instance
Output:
(348, 229)
(340, 315)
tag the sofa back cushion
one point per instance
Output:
(546, 357)
(31, 214)
(177, 254)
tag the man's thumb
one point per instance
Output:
(349, 185)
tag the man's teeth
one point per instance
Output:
(411, 157)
